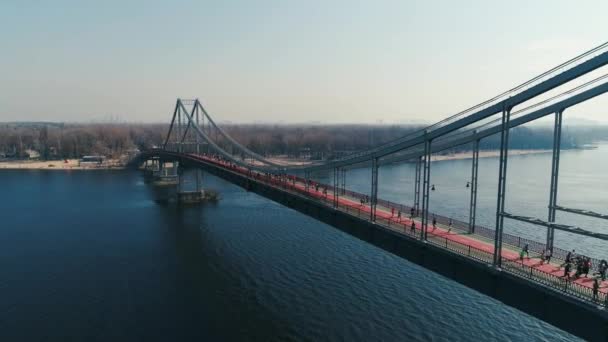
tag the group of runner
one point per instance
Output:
(583, 265)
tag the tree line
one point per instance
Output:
(62, 141)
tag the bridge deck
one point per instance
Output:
(471, 245)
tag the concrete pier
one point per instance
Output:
(191, 197)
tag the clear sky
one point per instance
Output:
(282, 61)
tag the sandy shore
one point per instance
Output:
(435, 157)
(71, 164)
(484, 154)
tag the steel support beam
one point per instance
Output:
(490, 108)
(426, 189)
(196, 137)
(374, 194)
(417, 186)
(473, 186)
(582, 212)
(172, 124)
(179, 130)
(557, 138)
(502, 180)
(343, 181)
(336, 186)
(562, 227)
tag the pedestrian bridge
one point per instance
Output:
(520, 272)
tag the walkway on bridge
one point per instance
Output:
(473, 246)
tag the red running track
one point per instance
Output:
(466, 240)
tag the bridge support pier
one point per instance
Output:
(374, 194)
(557, 137)
(502, 180)
(426, 188)
(199, 180)
(165, 175)
(180, 179)
(473, 185)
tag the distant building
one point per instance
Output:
(305, 153)
(31, 154)
(91, 160)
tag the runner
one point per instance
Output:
(542, 257)
(596, 288)
(567, 271)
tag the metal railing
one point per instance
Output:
(485, 232)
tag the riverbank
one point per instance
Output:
(484, 154)
(113, 164)
(436, 157)
(68, 164)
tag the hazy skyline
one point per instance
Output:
(282, 61)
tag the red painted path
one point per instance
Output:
(466, 240)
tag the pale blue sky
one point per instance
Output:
(288, 61)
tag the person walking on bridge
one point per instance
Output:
(602, 269)
(542, 257)
(548, 255)
(434, 223)
(413, 227)
(567, 271)
(527, 251)
(596, 289)
(568, 259)
(411, 213)
(586, 266)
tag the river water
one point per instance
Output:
(89, 255)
